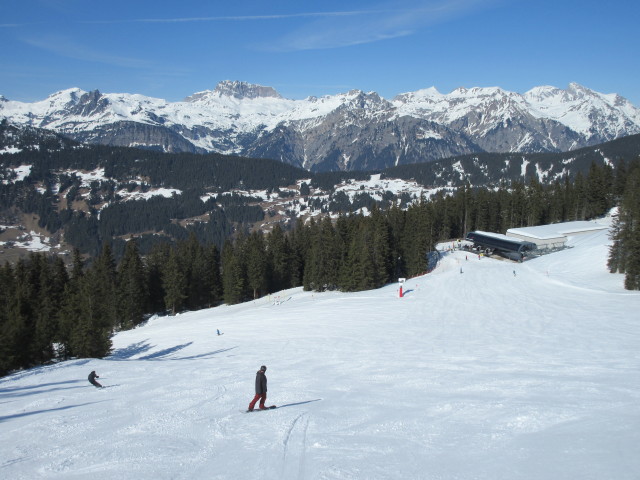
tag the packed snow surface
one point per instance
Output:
(504, 371)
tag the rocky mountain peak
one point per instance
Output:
(540, 94)
(242, 90)
(365, 100)
(578, 89)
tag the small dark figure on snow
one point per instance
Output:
(92, 379)
(261, 389)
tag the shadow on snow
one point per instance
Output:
(36, 412)
(11, 392)
(135, 349)
(298, 403)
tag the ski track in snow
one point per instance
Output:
(295, 441)
(473, 375)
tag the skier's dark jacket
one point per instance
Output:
(92, 377)
(261, 382)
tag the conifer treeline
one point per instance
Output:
(624, 254)
(48, 312)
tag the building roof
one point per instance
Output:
(555, 230)
(495, 235)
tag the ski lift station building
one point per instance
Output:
(555, 235)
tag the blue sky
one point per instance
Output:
(172, 49)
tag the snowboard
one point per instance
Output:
(259, 410)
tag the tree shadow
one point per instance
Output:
(134, 349)
(298, 403)
(39, 385)
(36, 412)
(13, 392)
(205, 355)
(130, 351)
(165, 352)
(43, 368)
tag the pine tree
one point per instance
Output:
(194, 267)
(624, 254)
(380, 248)
(396, 218)
(350, 272)
(505, 200)
(630, 216)
(518, 211)
(213, 278)
(481, 213)
(616, 261)
(97, 308)
(59, 282)
(535, 201)
(233, 278)
(578, 198)
(8, 335)
(463, 204)
(278, 259)
(132, 288)
(22, 316)
(557, 202)
(298, 246)
(620, 180)
(174, 283)
(155, 264)
(310, 279)
(46, 310)
(70, 314)
(104, 276)
(598, 193)
(323, 257)
(256, 264)
(419, 238)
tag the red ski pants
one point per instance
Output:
(259, 396)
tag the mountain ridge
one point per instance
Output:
(355, 130)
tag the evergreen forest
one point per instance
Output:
(50, 311)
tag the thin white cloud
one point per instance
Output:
(63, 46)
(242, 18)
(404, 19)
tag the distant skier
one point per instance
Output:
(92, 379)
(261, 389)
(219, 332)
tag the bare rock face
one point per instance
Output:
(242, 90)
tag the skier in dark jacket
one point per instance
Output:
(92, 379)
(261, 389)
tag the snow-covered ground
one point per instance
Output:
(504, 371)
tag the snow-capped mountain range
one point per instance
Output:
(348, 131)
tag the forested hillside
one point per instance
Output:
(196, 247)
(85, 196)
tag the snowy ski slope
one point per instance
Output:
(476, 375)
